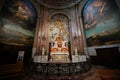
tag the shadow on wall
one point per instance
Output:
(109, 57)
(9, 53)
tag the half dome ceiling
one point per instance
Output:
(58, 4)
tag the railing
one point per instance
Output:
(60, 69)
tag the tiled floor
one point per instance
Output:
(90, 75)
(96, 73)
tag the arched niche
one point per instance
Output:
(59, 37)
(59, 25)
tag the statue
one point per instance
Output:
(76, 51)
(43, 51)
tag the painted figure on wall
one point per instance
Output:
(17, 20)
(22, 10)
(97, 7)
(101, 22)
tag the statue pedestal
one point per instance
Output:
(82, 58)
(40, 59)
(59, 57)
(79, 58)
(75, 58)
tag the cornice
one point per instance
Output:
(58, 4)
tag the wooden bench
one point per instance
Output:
(107, 74)
(11, 70)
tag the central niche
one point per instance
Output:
(59, 37)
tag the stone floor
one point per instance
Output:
(90, 75)
(96, 73)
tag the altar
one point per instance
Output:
(59, 57)
(59, 50)
(60, 45)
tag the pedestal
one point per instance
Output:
(40, 59)
(59, 57)
(79, 58)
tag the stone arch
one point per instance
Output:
(36, 6)
(59, 12)
(36, 36)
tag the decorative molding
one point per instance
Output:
(58, 4)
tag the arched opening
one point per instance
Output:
(59, 38)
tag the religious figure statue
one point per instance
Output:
(22, 10)
(76, 51)
(43, 51)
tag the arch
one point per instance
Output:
(58, 4)
(38, 12)
(59, 37)
(82, 6)
(58, 20)
(36, 6)
(59, 12)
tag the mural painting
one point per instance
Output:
(101, 22)
(17, 23)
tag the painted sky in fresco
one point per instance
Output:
(17, 22)
(101, 18)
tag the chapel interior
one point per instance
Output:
(59, 39)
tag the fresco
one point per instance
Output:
(17, 23)
(101, 22)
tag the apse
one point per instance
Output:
(59, 38)
(59, 44)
